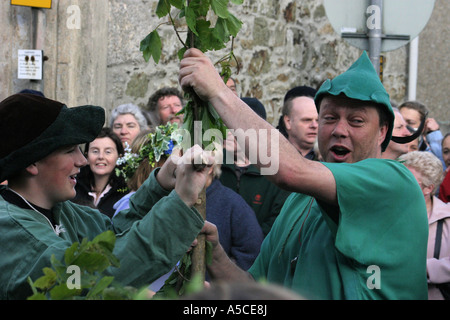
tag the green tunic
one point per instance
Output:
(376, 250)
(151, 237)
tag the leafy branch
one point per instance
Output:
(205, 36)
(91, 259)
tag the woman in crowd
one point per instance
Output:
(98, 185)
(127, 120)
(428, 171)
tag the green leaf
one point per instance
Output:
(220, 8)
(181, 52)
(220, 31)
(62, 292)
(191, 19)
(47, 281)
(37, 296)
(201, 7)
(99, 287)
(151, 46)
(238, 2)
(207, 40)
(70, 254)
(106, 239)
(163, 8)
(234, 25)
(179, 4)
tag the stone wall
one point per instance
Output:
(282, 44)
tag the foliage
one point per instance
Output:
(205, 36)
(92, 258)
(159, 143)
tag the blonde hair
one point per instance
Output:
(427, 164)
(143, 171)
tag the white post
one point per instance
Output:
(413, 63)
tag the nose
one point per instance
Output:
(340, 129)
(405, 132)
(123, 130)
(175, 109)
(80, 160)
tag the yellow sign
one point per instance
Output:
(33, 3)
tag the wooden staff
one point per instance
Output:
(199, 251)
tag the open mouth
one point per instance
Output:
(339, 151)
(73, 178)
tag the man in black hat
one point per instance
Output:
(40, 158)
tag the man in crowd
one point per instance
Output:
(163, 106)
(299, 120)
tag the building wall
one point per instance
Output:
(283, 43)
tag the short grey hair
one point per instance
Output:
(131, 109)
(427, 164)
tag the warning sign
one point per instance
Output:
(33, 3)
(30, 64)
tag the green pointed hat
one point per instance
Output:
(360, 82)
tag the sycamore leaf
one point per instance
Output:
(151, 46)
(191, 19)
(220, 8)
(234, 25)
(163, 8)
(208, 39)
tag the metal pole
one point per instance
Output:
(374, 32)
(413, 62)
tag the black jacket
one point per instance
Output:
(83, 187)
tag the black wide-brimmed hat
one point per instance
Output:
(33, 127)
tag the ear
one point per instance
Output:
(287, 122)
(382, 134)
(32, 169)
(428, 190)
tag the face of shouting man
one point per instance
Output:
(349, 130)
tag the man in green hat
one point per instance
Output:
(40, 158)
(355, 226)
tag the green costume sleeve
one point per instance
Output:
(151, 238)
(151, 244)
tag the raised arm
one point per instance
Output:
(275, 156)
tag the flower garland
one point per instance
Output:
(161, 142)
